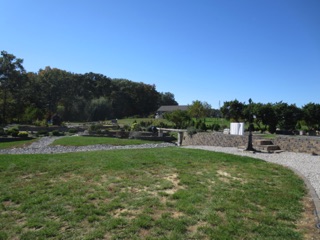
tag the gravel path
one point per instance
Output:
(43, 147)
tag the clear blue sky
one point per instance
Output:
(207, 50)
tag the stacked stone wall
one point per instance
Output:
(286, 143)
(214, 139)
(298, 144)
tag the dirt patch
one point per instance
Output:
(307, 223)
(30, 176)
(227, 177)
(177, 214)
(173, 178)
(143, 233)
(123, 212)
(194, 228)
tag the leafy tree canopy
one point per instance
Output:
(199, 109)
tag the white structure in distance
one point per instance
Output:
(237, 128)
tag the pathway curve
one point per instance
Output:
(42, 146)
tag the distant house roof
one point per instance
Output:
(171, 108)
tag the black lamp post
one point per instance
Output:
(249, 146)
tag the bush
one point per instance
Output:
(56, 120)
(203, 126)
(42, 123)
(215, 127)
(2, 132)
(162, 125)
(224, 126)
(56, 133)
(143, 123)
(197, 124)
(42, 132)
(73, 130)
(23, 134)
(126, 127)
(272, 129)
(191, 131)
(135, 127)
(95, 127)
(14, 131)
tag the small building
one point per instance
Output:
(170, 108)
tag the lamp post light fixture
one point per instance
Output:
(249, 145)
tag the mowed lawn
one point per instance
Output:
(167, 193)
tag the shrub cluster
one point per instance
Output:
(14, 131)
(42, 133)
(57, 133)
(23, 134)
(73, 130)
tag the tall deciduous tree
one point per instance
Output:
(264, 116)
(287, 115)
(167, 99)
(179, 118)
(199, 109)
(11, 80)
(233, 110)
(311, 115)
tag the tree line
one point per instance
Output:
(265, 117)
(27, 96)
(272, 116)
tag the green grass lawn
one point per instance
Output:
(16, 144)
(221, 121)
(84, 141)
(170, 193)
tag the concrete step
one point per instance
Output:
(268, 148)
(259, 142)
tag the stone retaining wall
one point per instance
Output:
(286, 143)
(298, 144)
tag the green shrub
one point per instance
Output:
(203, 126)
(126, 127)
(14, 131)
(224, 126)
(99, 131)
(162, 125)
(73, 130)
(55, 133)
(135, 127)
(2, 132)
(23, 134)
(42, 132)
(215, 127)
(191, 131)
(56, 120)
(41, 123)
(95, 127)
(197, 124)
(272, 129)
